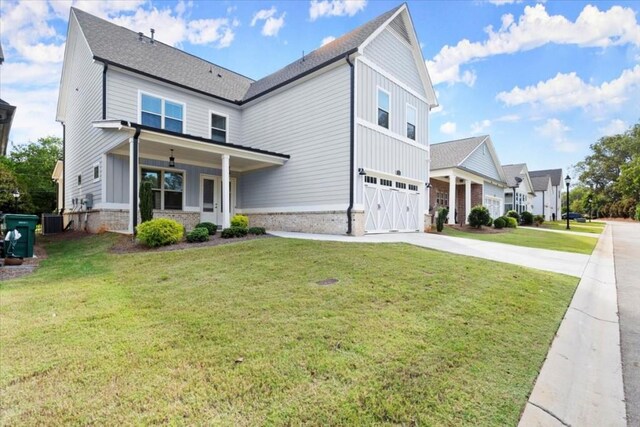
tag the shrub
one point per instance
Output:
(513, 214)
(489, 222)
(211, 227)
(511, 222)
(146, 202)
(231, 232)
(478, 216)
(240, 221)
(198, 234)
(257, 230)
(638, 212)
(160, 232)
(527, 218)
(441, 218)
(538, 219)
(499, 223)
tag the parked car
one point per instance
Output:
(572, 215)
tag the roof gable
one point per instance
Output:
(554, 174)
(484, 160)
(540, 183)
(519, 170)
(451, 154)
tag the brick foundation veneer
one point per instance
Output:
(118, 219)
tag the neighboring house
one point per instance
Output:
(554, 195)
(518, 183)
(58, 178)
(6, 118)
(465, 173)
(543, 188)
(335, 142)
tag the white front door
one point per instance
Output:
(211, 198)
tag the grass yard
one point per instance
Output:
(522, 236)
(583, 227)
(241, 334)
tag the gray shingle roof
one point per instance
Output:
(331, 51)
(121, 46)
(451, 153)
(511, 171)
(555, 174)
(540, 183)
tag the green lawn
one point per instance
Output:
(522, 236)
(407, 336)
(583, 227)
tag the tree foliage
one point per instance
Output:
(32, 165)
(610, 175)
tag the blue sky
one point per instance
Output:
(544, 79)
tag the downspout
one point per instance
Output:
(543, 204)
(134, 178)
(64, 168)
(104, 91)
(351, 146)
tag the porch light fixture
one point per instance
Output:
(172, 160)
(361, 171)
(16, 196)
(427, 184)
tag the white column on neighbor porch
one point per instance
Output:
(226, 208)
(467, 200)
(452, 199)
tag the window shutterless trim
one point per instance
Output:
(162, 110)
(161, 171)
(378, 90)
(415, 126)
(226, 131)
(93, 171)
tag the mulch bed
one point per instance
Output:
(126, 244)
(28, 266)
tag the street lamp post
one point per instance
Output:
(567, 181)
(16, 196)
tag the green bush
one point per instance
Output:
(160, 232)
(257, 230)
(198, 234)
(231, 232)
(638, 212)
(511, 222)
(513, 214)
(499, 223)
(538, 220)
(146, 202)
(211, 227)
(441, 218)
(240, 221)
(479, 216)
(489, 222)
(527, 218)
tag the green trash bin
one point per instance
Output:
(26, 226)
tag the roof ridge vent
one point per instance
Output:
(152, 33)
(140, 36)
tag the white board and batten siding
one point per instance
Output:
(84, 144)
(310, 122)
(123, 97)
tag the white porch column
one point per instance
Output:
(467, 200)
(226, 209)
(452, 199)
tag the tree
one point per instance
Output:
(32, 165)
(8, 184)
(146, 202)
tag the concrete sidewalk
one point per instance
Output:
(580, 383)
(541, 259)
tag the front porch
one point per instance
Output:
(458, 189)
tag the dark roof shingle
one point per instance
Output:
(555, 174)
(540, 183)
(511, 171)
(450, 154)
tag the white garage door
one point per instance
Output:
(390, 205)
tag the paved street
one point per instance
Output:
(626, 250)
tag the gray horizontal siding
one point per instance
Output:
(395, 57)
(481, 161)
(493, 190)
(368, 81)
(309, 121)
(122, 104)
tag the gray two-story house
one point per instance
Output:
(335, 142)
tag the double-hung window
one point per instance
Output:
(218, 128)
(383, 108)
(411, 122)
(161, 113)
(167, 188)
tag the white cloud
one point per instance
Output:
(327, 40)
(615, 127)
(318, 9)
(556, 131)
(480, 127)
(503, 2)
(35, 113)
(448, 128)
(566, 91)
(535, 28)
(509, 118)
(23, 73)
(207, 31)
(272, 24)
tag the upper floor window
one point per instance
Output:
(161, 113)
(218, 128)
(411, 122)
(383, 108)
